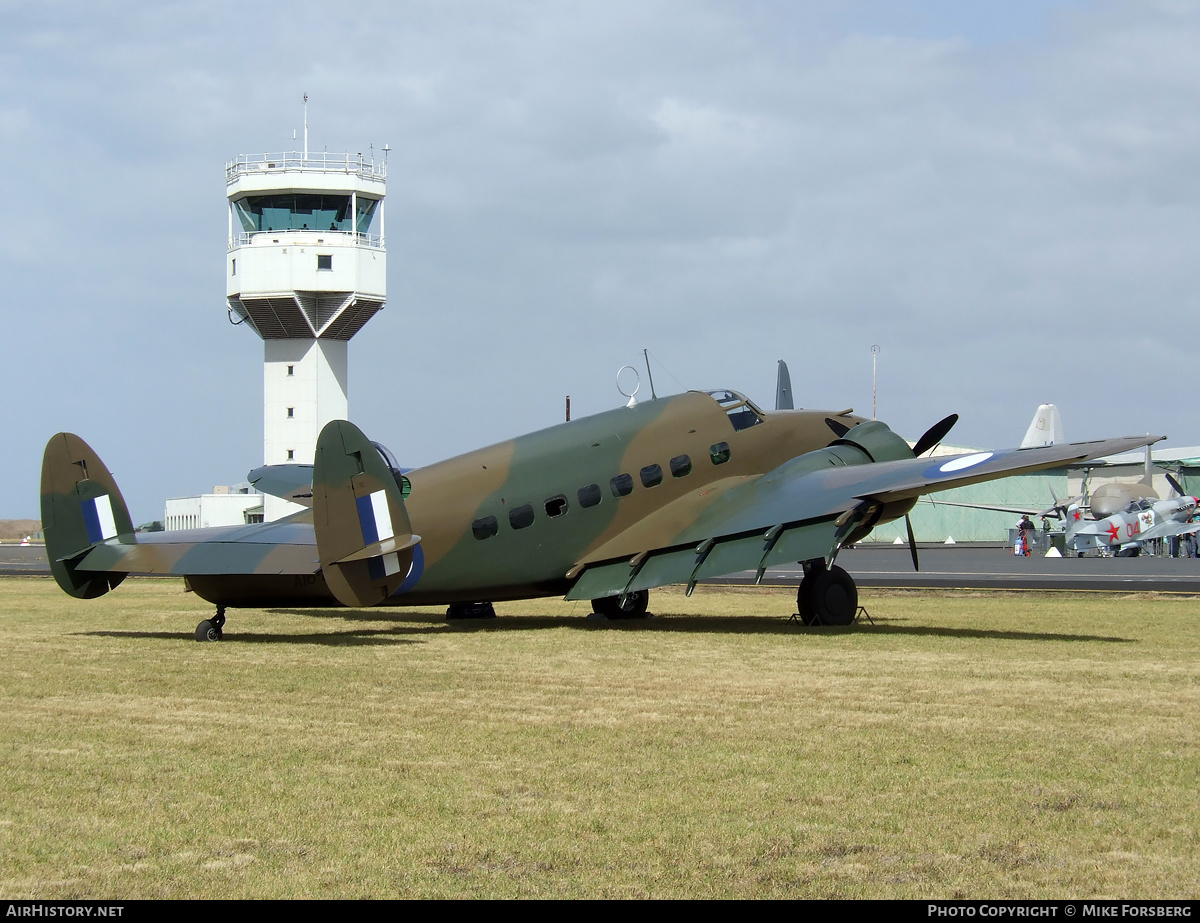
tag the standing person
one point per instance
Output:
(1027, 529)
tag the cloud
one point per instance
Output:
(1008, 207)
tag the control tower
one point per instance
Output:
(306, 269)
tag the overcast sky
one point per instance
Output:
(1004, 197)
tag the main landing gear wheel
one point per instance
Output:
(827, 596)
(470, 611)
(210, 629)
(634, 606)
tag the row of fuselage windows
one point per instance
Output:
(621, 485)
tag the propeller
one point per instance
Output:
(932, 437)
(912, 542)
(1178, 488)
(839, 429)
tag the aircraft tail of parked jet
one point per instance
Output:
(1045, 428)
(783, 388)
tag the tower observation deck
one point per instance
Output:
(305, 270)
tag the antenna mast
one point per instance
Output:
(874, 356)
(306, 126)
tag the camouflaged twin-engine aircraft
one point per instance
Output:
(604, 508)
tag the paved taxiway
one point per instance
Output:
(996, 568)
(962, 566)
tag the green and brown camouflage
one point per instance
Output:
(672, 490)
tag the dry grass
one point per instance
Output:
(982, 745)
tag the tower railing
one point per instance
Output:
(245, 238)
(246, 164)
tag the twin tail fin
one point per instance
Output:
(81, 507)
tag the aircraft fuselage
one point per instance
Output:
(510, 520)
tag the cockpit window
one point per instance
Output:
(740, 409)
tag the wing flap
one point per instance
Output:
(802, 543)
(601, 580)
(665, 568)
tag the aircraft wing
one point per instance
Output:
(284, 547)
(1017, 510)
(1160, 530)
(1167, 529)
(794, 513)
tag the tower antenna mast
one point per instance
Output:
(874, 357)
(306, 126)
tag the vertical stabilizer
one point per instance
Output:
(1045, 429)
(363, 534)
(81, 507)
(783, 388)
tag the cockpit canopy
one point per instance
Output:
(741, 411)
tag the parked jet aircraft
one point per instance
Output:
(602, 508)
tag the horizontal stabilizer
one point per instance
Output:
(274, 548)
(289, 482)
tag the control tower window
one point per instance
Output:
(296, 212)
(366, 214)
(324, 261)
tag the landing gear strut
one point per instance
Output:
(634, 606)
(210, 629)
(826, 596)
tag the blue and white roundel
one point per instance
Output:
(967, 461)
(956, 465)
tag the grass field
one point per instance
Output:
(972, 745)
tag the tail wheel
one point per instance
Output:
(470, 611)
(613, 607)
(207, 631)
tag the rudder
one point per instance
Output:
(81, 507)
(364, 537)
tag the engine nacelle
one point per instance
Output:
(877, 440)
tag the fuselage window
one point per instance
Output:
(651, 475)
(520, 517)
(622, 485)
(719, 453)
(681, 465)
(485, 527)
(589, 496)
(556, 506)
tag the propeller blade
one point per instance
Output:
(912, 542)
(934, 434)
(1175, 484)
(839, 429)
